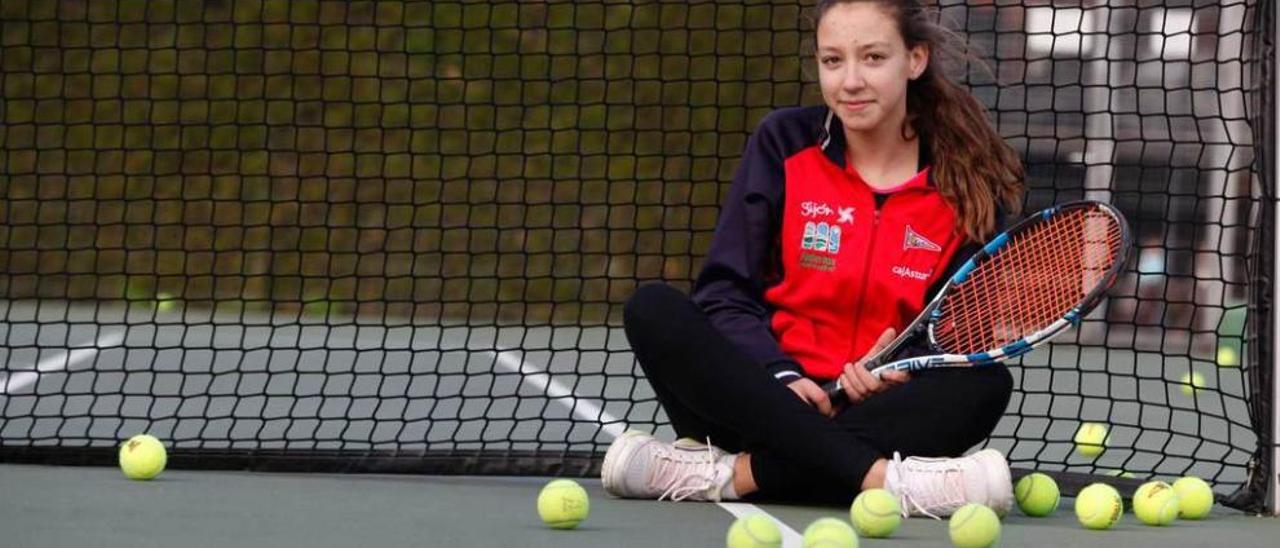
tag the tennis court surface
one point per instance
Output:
(360, 266)
(68, 506)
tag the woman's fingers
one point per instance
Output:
(820, 401)
(871, 382)
(894, 377)
(854, 386)
(883, 342)
(859, 383)
(814, 395)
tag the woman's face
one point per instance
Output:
(864, 66)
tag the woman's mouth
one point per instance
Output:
(855, 105)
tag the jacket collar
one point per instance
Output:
(831, 139)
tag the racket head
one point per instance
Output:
(1028, 283)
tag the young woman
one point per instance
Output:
(842, 221)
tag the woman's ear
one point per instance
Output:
(918, 60)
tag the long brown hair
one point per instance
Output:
(973, 168)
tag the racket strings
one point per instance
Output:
(1040, 275)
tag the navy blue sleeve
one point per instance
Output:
(743, 256)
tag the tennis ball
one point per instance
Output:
(563, 504)
(1091, 439)
(1037, 494)
(830, 533)
(1098, 506)
(974, 526)
(1121, 474)
(1227, 356)
(142, 457)
(754, 531)
(1191, 383)
(1195, 497)
(166, 302)
(875, 513)
(1155, 503)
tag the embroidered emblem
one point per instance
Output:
(821, 237)
(815, 209)
(914, 240)
(910, 274)
(846, 214)
(817, 262)
(820, 243)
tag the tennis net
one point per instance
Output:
(396, 236)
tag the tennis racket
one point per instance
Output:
(1027, 285)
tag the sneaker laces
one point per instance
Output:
(683, 474)
(939, 483)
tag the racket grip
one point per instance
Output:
(834, 392)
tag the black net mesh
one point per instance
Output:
(397, 235)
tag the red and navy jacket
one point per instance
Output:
(809, 265)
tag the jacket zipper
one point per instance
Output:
(866, 274)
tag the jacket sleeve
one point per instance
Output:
(742, 258)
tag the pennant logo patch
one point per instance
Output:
(913, 240)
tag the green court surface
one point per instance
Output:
(89, 506)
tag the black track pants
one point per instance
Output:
(709, 388)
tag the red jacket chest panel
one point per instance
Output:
(850, 270)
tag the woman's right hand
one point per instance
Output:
(859, 384)
(814, 395)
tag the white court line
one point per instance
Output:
(588, 410)
(63, 360)
(790, 538)
(582, 409)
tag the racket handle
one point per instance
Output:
(834, 392)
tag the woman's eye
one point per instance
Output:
(830, 60)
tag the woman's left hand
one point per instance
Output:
(859, 384)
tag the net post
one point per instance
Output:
(1273, 179)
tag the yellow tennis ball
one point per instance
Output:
(1098, 506)
(754, 531)
(1155, 503)
(166, 302)
(875, 513)
(142, 457)
(1091, 439)
(1121, 474)
(1227, 356)
(830, 533)
(1191, 383)
(974, 526)
(563, 504)
(1037, 494)
(1195, 497)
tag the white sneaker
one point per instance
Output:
(938, 487)
(637, 465)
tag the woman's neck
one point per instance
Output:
(883, 161)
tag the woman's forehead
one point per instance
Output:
(860, 24)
